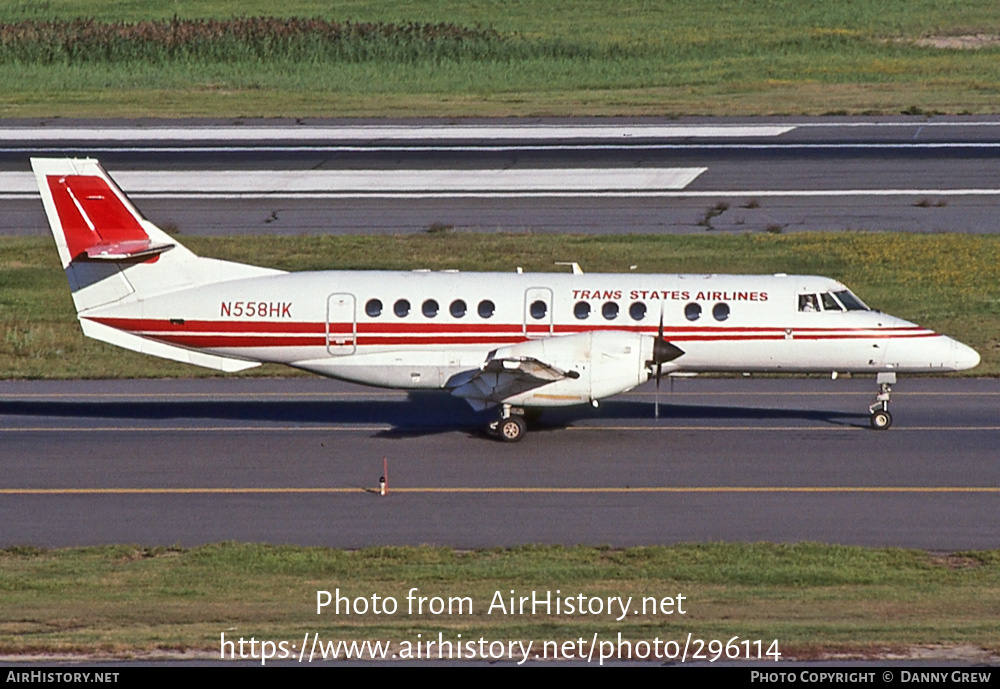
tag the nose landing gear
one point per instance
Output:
(880, 418)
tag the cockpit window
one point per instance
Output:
(850, 302)
(829, 303)
(843, 300)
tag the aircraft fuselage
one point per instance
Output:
(419, 329)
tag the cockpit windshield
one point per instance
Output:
(842, 300)
(829, 303)
(850, 302)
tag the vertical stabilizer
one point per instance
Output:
(114, 257)
(109, 250)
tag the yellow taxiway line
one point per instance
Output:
(386, 427)
(512, 489)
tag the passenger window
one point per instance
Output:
(374, 308)
(609, 310)
(538, 309)
(692, 311)
(430, 308)
(457, 308)
(720, 311)
(637, 311)
(582, 310)
(401, 308)
(486, 308)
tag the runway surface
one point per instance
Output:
(768, 174)
(298, 461)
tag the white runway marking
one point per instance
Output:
(921, 123)
(493, 148)
(497, 132)
(490, 183)
(721, 194)
(382, 182)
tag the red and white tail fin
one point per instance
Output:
(91, 218)
(114, 257)
(109, 250)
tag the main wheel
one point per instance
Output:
(881, 419)
(511, 429)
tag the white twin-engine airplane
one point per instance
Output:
(505, 340)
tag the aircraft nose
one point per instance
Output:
(965, 357)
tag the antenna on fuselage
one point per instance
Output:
(577, 270)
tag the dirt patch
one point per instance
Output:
(966, 42)
(954, 561)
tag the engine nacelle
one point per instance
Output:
(597, 364)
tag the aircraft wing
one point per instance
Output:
(500, 379)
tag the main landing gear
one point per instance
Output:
(880, 418)
(510, 427)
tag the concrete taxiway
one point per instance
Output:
(298, 461)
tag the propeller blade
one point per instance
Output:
(659, 365)
(656, 397)
(663, 352)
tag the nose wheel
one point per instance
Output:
(880, 418)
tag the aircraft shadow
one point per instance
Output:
(421, 413)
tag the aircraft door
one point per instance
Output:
(537, 312)
(341, 324)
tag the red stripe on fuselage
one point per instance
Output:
(224, 334)
(236, 341)
(160, 324)
(226, 341)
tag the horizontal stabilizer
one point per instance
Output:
(105, 333)
(124, 251)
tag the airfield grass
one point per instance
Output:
(591, 57)
(814, 599)
(946, 282)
